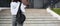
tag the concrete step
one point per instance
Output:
(37, 13)
(5, 24)
(39, 17)
(32, 25)
(41, 25)
(34, 17)
(5, 14)
(6, 17)
(30, 17)
(34, 22)
(35, 10)
(42, 22)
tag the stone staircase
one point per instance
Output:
(34, 17)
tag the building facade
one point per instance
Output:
(34, 3)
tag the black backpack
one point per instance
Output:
(20, 17)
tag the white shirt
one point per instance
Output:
(14, 7)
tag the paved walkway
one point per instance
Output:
(34, 17)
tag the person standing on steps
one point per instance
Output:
(15, 7)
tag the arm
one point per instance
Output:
(25, 2)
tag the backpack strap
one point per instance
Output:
(19, 9)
